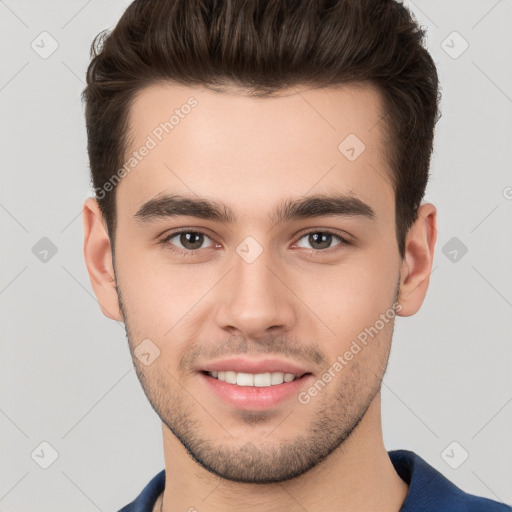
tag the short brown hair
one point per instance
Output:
(264, 46)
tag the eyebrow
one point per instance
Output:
(169, 206)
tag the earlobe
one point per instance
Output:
(417, 263)
(98, 259)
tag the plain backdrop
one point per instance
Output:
(69, 396)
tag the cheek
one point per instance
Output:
(160, 298)
(351, 296)
(145, 294)
(344, 298)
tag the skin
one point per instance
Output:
(296, 301)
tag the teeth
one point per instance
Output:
(253, 379)
(231, 377)
(277, 378)
(245, 379)
(262, 380)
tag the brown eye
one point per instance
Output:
(191, 240)
(186, 241)
(321, 240)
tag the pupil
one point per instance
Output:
(325, 239)
(187, 238)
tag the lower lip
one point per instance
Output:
(253, 397)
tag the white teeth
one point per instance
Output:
(262, 379)
(245, 379)
(253, 379)
(276, 378)
(231, 377)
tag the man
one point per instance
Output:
(259, 168)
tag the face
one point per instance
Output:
(287, 262)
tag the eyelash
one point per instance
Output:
(192, 252)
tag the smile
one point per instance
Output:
(254, 379)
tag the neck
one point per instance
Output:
(358, 476)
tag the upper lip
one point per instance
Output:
(254, 366)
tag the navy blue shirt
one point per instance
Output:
(429, 490)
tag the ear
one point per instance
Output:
(417, 262)
(98, 259)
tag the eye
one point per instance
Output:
(321, 240)
(190, 241)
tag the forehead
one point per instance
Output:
(253, 151)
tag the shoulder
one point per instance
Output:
(148, 498)
(430, 491)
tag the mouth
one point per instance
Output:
(260, 380)
(254, 385)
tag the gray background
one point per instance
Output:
(66, 374)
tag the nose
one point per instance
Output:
(255, 298)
